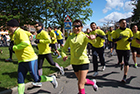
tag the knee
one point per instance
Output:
(81, 84)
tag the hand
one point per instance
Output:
(120, 37)
(91, 37)
(65, 58)
(37, 41)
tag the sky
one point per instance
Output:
(106, 10)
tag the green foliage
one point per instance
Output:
(52, 11)
(25, 11)
(136, 12)
(57, 10)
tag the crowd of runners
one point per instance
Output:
(81, 46)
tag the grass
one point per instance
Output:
(8, 70)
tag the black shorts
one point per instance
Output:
(76, 68)
(134, 49)
(123, 54)
(60, 41)
(53, 46)
(111, 44)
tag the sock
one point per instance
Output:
(135, 64)
(58, 46)
(21, 88)
(40, 72)
(124, 77)
(45, 78)
(112, 51)
(82, 91)
(89, 82)
(56, 65)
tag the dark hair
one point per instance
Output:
(13, 23)
(50, 27)
(40, 24)
(55, 27)
(78, 21)
(92, 23)
(121, 20)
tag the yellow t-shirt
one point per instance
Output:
(53, 37)
(26, 54)
(109, 34)
(100, 41)
(59, 37)
(123, 44)
(28, 33)
(133, 42)
(45, 40)
(78, 44)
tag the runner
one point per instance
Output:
(123, 37)
(26, 57)
(109, 38)
(53, 44)
(43, 40)
(78, 42)
(10, 47)
(59, 36)
(89, 45)
(98, 48)
(66, 35)
(135, 47)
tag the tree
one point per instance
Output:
(136, 13)
(25, 11)
(57, 10)
(54, 11)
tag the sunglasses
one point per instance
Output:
(36, 26)
(76, 26)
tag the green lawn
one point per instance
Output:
(8, 70)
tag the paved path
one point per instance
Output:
(108, 81)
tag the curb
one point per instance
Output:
(14, 90)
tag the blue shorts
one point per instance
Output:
(32, 67)
(60, 41)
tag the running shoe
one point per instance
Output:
(95, 87)
(62, 71)
(124, 80)
(54, 53)
(103, 68)
(136, 65)
(95, 74)
(59, 57)
(8, 60)
(54, 82)
(38, 84)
